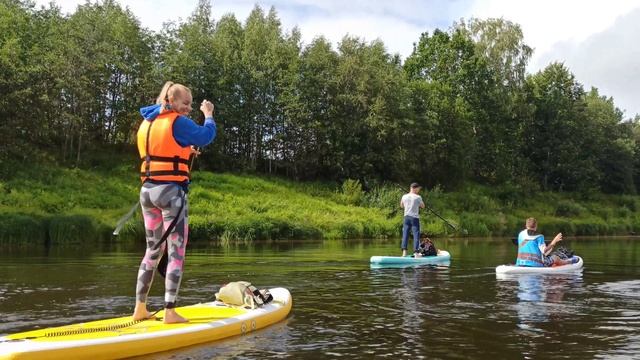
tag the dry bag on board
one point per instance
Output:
(242, 293)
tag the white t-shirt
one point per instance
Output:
(411, 203)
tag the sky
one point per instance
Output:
(596, 40)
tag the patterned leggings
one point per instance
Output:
(160, 205)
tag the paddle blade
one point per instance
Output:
(125, 218)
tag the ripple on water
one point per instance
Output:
(629, 288)
(344, 308)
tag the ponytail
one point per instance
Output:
(163, 98)
(169, 91)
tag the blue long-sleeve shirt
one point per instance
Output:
(185, 131)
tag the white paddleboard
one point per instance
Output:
(512, 269)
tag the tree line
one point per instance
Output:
(461, 108)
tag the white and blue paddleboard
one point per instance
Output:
(512, 269)
(442, 258)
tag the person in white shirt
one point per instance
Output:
(411, 203)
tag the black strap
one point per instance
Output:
(147, 158)
(169, 159)
(164, 261)
(265, 299)
(166, 172)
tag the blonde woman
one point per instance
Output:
(165, 142)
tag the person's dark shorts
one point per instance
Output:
(548, 261)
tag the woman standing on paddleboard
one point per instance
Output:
(165, 141)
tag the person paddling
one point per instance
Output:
(165, 142)
(411, 203)
(532, 250)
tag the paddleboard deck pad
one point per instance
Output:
(512, 269)
(122, 337)
(443, 256)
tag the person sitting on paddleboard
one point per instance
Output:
(426, 248)
(532, 250)
(411, 203)
(165, 142)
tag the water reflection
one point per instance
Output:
(622, 319)
(405, 309)
(271, 342)
(541, 297)
(442, 265)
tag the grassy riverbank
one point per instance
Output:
(62, 205)
(68, 205)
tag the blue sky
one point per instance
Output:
(597, 40)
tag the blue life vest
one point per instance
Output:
(529, 253)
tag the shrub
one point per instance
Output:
(72, 229)
(22, 228)
(474, 224)
(568, 208)
(352, 191)
(629, 202)
(635, 225)
(474, 200)
(551, 226)
(434, 229)
(591, 226)
(386, 197)
(622, 212)
(510, 194)
(619, 227)
(602, 212)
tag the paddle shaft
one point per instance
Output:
(463, 231)
(441, 218)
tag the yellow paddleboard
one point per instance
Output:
(121, 337)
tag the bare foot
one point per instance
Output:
(172, 317)
(140, 312)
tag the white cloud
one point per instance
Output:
(595, 39)
(397, 24)
(608, 60)
(151, 14)
(394, 34)
(548, 22)
(563, 30)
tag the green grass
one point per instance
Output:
(69, 205)
(60, 205)
(494, 211)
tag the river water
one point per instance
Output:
(344, 309)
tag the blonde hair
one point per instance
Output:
(531, 223)
(171, 91)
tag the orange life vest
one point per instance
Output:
(163, 159)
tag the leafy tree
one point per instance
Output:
(460, 108)
(368, 110)
(498, 100)
(613, 144)
(28, 61)
(443, 71)
(557, 138)
(312, 113)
